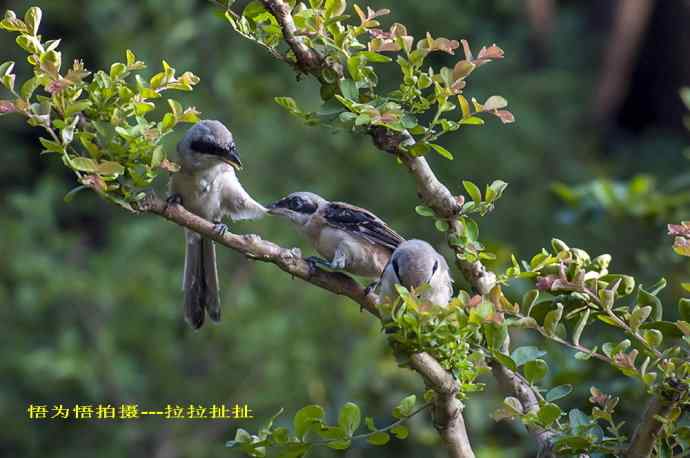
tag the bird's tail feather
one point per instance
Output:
(210, 275)
(200, 281)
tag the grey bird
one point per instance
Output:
(207, 186)
(350, 238)
(414, 264)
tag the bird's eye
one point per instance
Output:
(435, 268)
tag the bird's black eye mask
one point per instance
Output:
(297, 204)
(209, 147)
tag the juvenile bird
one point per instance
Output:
(207, 186)
(350, 238)
(413, 264)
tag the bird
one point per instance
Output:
(413, 264)
(350, 238)
(207, 186)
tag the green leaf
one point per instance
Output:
(374, 57)
(495, 190)
(471, 229)
(558, 392)
(83, 164)
(523, 355)
(157, 156)
(441, 225)
(117, 70)
(473, 190)
(684, 309)
(339, 444)
(647, 298)
(349, 418)
(442, 151)
(400, 431)
(505, 360)
(548, 413)
(578, 418)
(110, 168)
(335, 7)
(528, 301)
(379, 438)
(472, 121)
(580, 327)
(552, 319)
(535, 370)
(32, 18)
(405, 407)
(349, 89)
(176, 108)
(464, 106)
(50, 146)
(306, 418)
(424, 211)
(6, 68)
(420, 149)
(28, 88)
(370, 424)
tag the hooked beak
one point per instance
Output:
(274, 209)
(233, 159)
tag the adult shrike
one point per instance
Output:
(350, 238)
(207, 186)
(413, 264)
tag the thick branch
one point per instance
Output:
(308, 60)
(511, 383)
(649, 428)
(447, 409)
(254, 247)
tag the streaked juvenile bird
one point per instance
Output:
(413, 264)
(207, 186)
(350, 238)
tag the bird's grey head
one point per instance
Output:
(415, 263)
(297, 207)
(207, 143)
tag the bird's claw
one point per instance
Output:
(314, 263)
(220, 229)
(370, 289)
(173, 199)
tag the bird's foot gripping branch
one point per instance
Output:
(100, 125)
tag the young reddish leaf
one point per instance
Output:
(462, 69)
(495, 102)
(466, 49)
(492, 52)
(505, 116)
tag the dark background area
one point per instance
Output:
(90, 300)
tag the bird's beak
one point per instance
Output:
(233, 159)
(274, 209)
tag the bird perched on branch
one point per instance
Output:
(413, 265)
(350, 238)
(207, 186)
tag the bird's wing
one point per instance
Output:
(361, 222)
(237, 202)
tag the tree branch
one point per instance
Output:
(308, 60)
(649, 428)
(254, 247)
(511, 383)
(447, 411)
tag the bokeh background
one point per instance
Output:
(90, 301)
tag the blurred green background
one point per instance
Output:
(90, 300)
